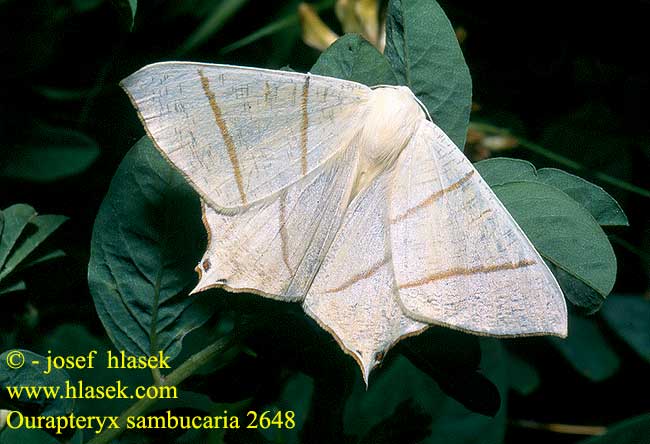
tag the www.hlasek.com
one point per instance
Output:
(79, 390)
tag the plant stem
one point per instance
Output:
(571, 429)
(157, 376)
(186, 369)
(273, 27)
(562, 160)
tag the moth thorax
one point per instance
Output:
(392, 118)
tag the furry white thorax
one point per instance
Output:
(392, 119)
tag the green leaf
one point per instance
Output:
(562, 231)
(26, 436)
(15, 286)
(296, 396)
(522, 376)
(41, 227)
(423, 50)
(452, 359)
(76, 340)
(587, 350)
(32, 374)
(629, 317)
(16, 218)
(602, 206)
(62, 94)
(580, 294)
(86, 5)
(22, 232)
(352, 58)
(49, 155)
(449, 421)
(596, 200)
(54, 254)
(133, 4)
(215, 20)
(501, 170)
(126, 9)
(631, 431)
(203, 403)
(146, 241)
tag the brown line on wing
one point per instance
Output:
(431, 199)
(304, 125)
(267, 92)
(359, 277)
(227, 138)
(466, 272)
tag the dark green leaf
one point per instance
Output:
(423, 50)
(221, 12)
(600, 204)
(50, 154)
(631, 431)
(86, 5)
(146, 241)
(133, 4)
(32, 374)
(501, 170)
(580, 294)
(562, 231)
(587, 350)
(11, 287)
(41, 227)
(452, 423)
(452, 359)
(62, 94)
(126, 9)
(522, 376)
(75, 340)
(296, 396)
(407, 423)
(629, 317)
(352, 58)
(77, 438)
(50, 255)
(16, 218)
(26, 436)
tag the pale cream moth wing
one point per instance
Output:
(240, 134)
(275, 247)
(459, 257)
(353, 295)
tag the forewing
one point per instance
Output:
(275, 248)
(459, 257)
(353, 295)
(238, 134)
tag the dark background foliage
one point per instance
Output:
(571, 77)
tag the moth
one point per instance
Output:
(347, 199)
